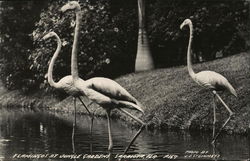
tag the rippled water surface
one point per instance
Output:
(26, 132)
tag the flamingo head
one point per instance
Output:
(185, 22)
(49, 35)
(72, 5)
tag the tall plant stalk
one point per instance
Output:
(144, 59)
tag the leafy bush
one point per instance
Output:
(217, 27)
(15, 45)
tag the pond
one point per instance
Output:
(26, 134)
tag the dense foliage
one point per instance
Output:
(109, 36)
(218, 27)
(15, 43)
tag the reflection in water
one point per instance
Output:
(25, 132)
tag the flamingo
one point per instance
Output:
(103, 91)
(211, 80)
(66, 83)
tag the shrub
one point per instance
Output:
(15, 45)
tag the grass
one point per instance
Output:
(170, 97)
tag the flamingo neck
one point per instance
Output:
(189, 56)
(52, 62)
(74, 67)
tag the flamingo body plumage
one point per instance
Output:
(214, 81)
(66, 84)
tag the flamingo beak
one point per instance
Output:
(181, 26)
(65, 8)
(45, 37)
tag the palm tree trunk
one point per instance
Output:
(144, 60)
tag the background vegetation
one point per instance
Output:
(17, 23)
(109, 36)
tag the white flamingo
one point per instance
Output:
(103, 91)
(66, 83)
(210, 80)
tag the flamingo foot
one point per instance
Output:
(213, 141)
(109, 131)
(214, 110)
(110, 148)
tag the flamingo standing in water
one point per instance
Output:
(103, 91)
(66, 83)
(210, 80)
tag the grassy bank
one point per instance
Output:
(33, 101)
(172, 99)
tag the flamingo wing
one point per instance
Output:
(99, 98)
(110, 88)
(106, 101)
(105, 95)
(93, 95)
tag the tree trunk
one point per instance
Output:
(144, 60)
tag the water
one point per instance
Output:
(27, 132)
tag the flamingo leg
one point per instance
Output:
(85, 106)
(214, 149)
(74, 124)
(133, 139)
(109, 131)
(224, 104)
(214, 109)
(132, 116)
(110, 157)
(230, 115)
(91, 115)
(138, 132)
(73, 143)
(73, 146)
(91, 125)
(91, 132)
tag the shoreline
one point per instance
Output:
(164, 109)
